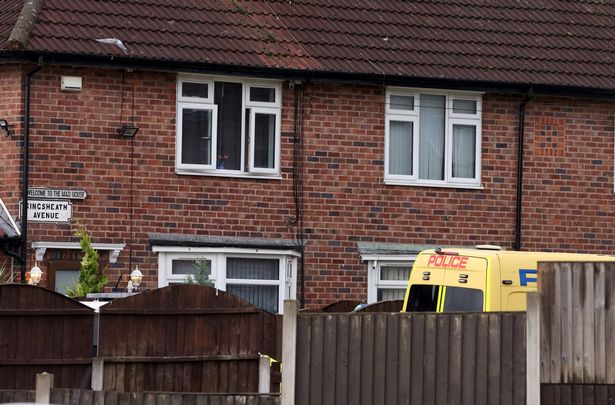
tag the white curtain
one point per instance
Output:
(464, 151)
(401, 135)
(431, 137)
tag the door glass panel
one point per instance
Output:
(64, 279)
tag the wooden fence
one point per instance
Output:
(185, 338)
(401, 358)
(575, 314)
(67, 396)
(41, 330)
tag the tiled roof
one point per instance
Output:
(10, 11)
(549, 42)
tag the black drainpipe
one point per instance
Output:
(26, 158)
(521, 137)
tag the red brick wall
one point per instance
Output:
(568, 200)
(10, 148)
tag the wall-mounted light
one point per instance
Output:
(35, 275)
(4, 125)
(136, 276)
(128, 131)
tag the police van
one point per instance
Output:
(474, 280)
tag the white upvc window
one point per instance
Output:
(228, 127)
(263, 278)
(387, 278)
(433, 138)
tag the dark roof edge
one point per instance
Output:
(27, 17)
(119, 62)
(163, 239)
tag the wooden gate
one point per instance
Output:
(41, 330)
(186, 338)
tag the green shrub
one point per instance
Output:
(202, 271)
(91, 279)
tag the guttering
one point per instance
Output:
(160, 65)
(26, 162)
(520, 149)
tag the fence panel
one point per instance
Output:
(401, 358)
(184, 338)
(577, 318)
(73, 396)
(43, 331)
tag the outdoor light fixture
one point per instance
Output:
(4, 125)
(35, 275)
(128, 131)
(136, 276)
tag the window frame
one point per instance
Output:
(247, 145)
(451, 119)
(374, 281)
(287, 271)
(179, 138)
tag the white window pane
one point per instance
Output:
(401, 135)
(386, 294)
(262, 296)
(395, 272)
(405, 103)
(188, 266)
(262, 94)
(464, 106)
(196, 136)
(200, 90)
(431, 137)
(264, 140)
(464, 151)
(252, 269)
(229, 97)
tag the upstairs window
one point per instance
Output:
(432, 138)
(228, 127)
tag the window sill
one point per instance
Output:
(392, 182)
(238, 175)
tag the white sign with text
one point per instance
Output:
(50, 211)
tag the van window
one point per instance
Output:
(423, 298)
(459, 299)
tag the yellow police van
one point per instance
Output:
(483, 279)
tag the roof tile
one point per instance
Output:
(557, 42)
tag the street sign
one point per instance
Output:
(50, 211)
(44, 192)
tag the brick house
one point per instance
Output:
(302, 149)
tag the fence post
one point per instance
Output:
(264, 374)
(289, 351)
(532, 354)
(98, 368)
(44, 384)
